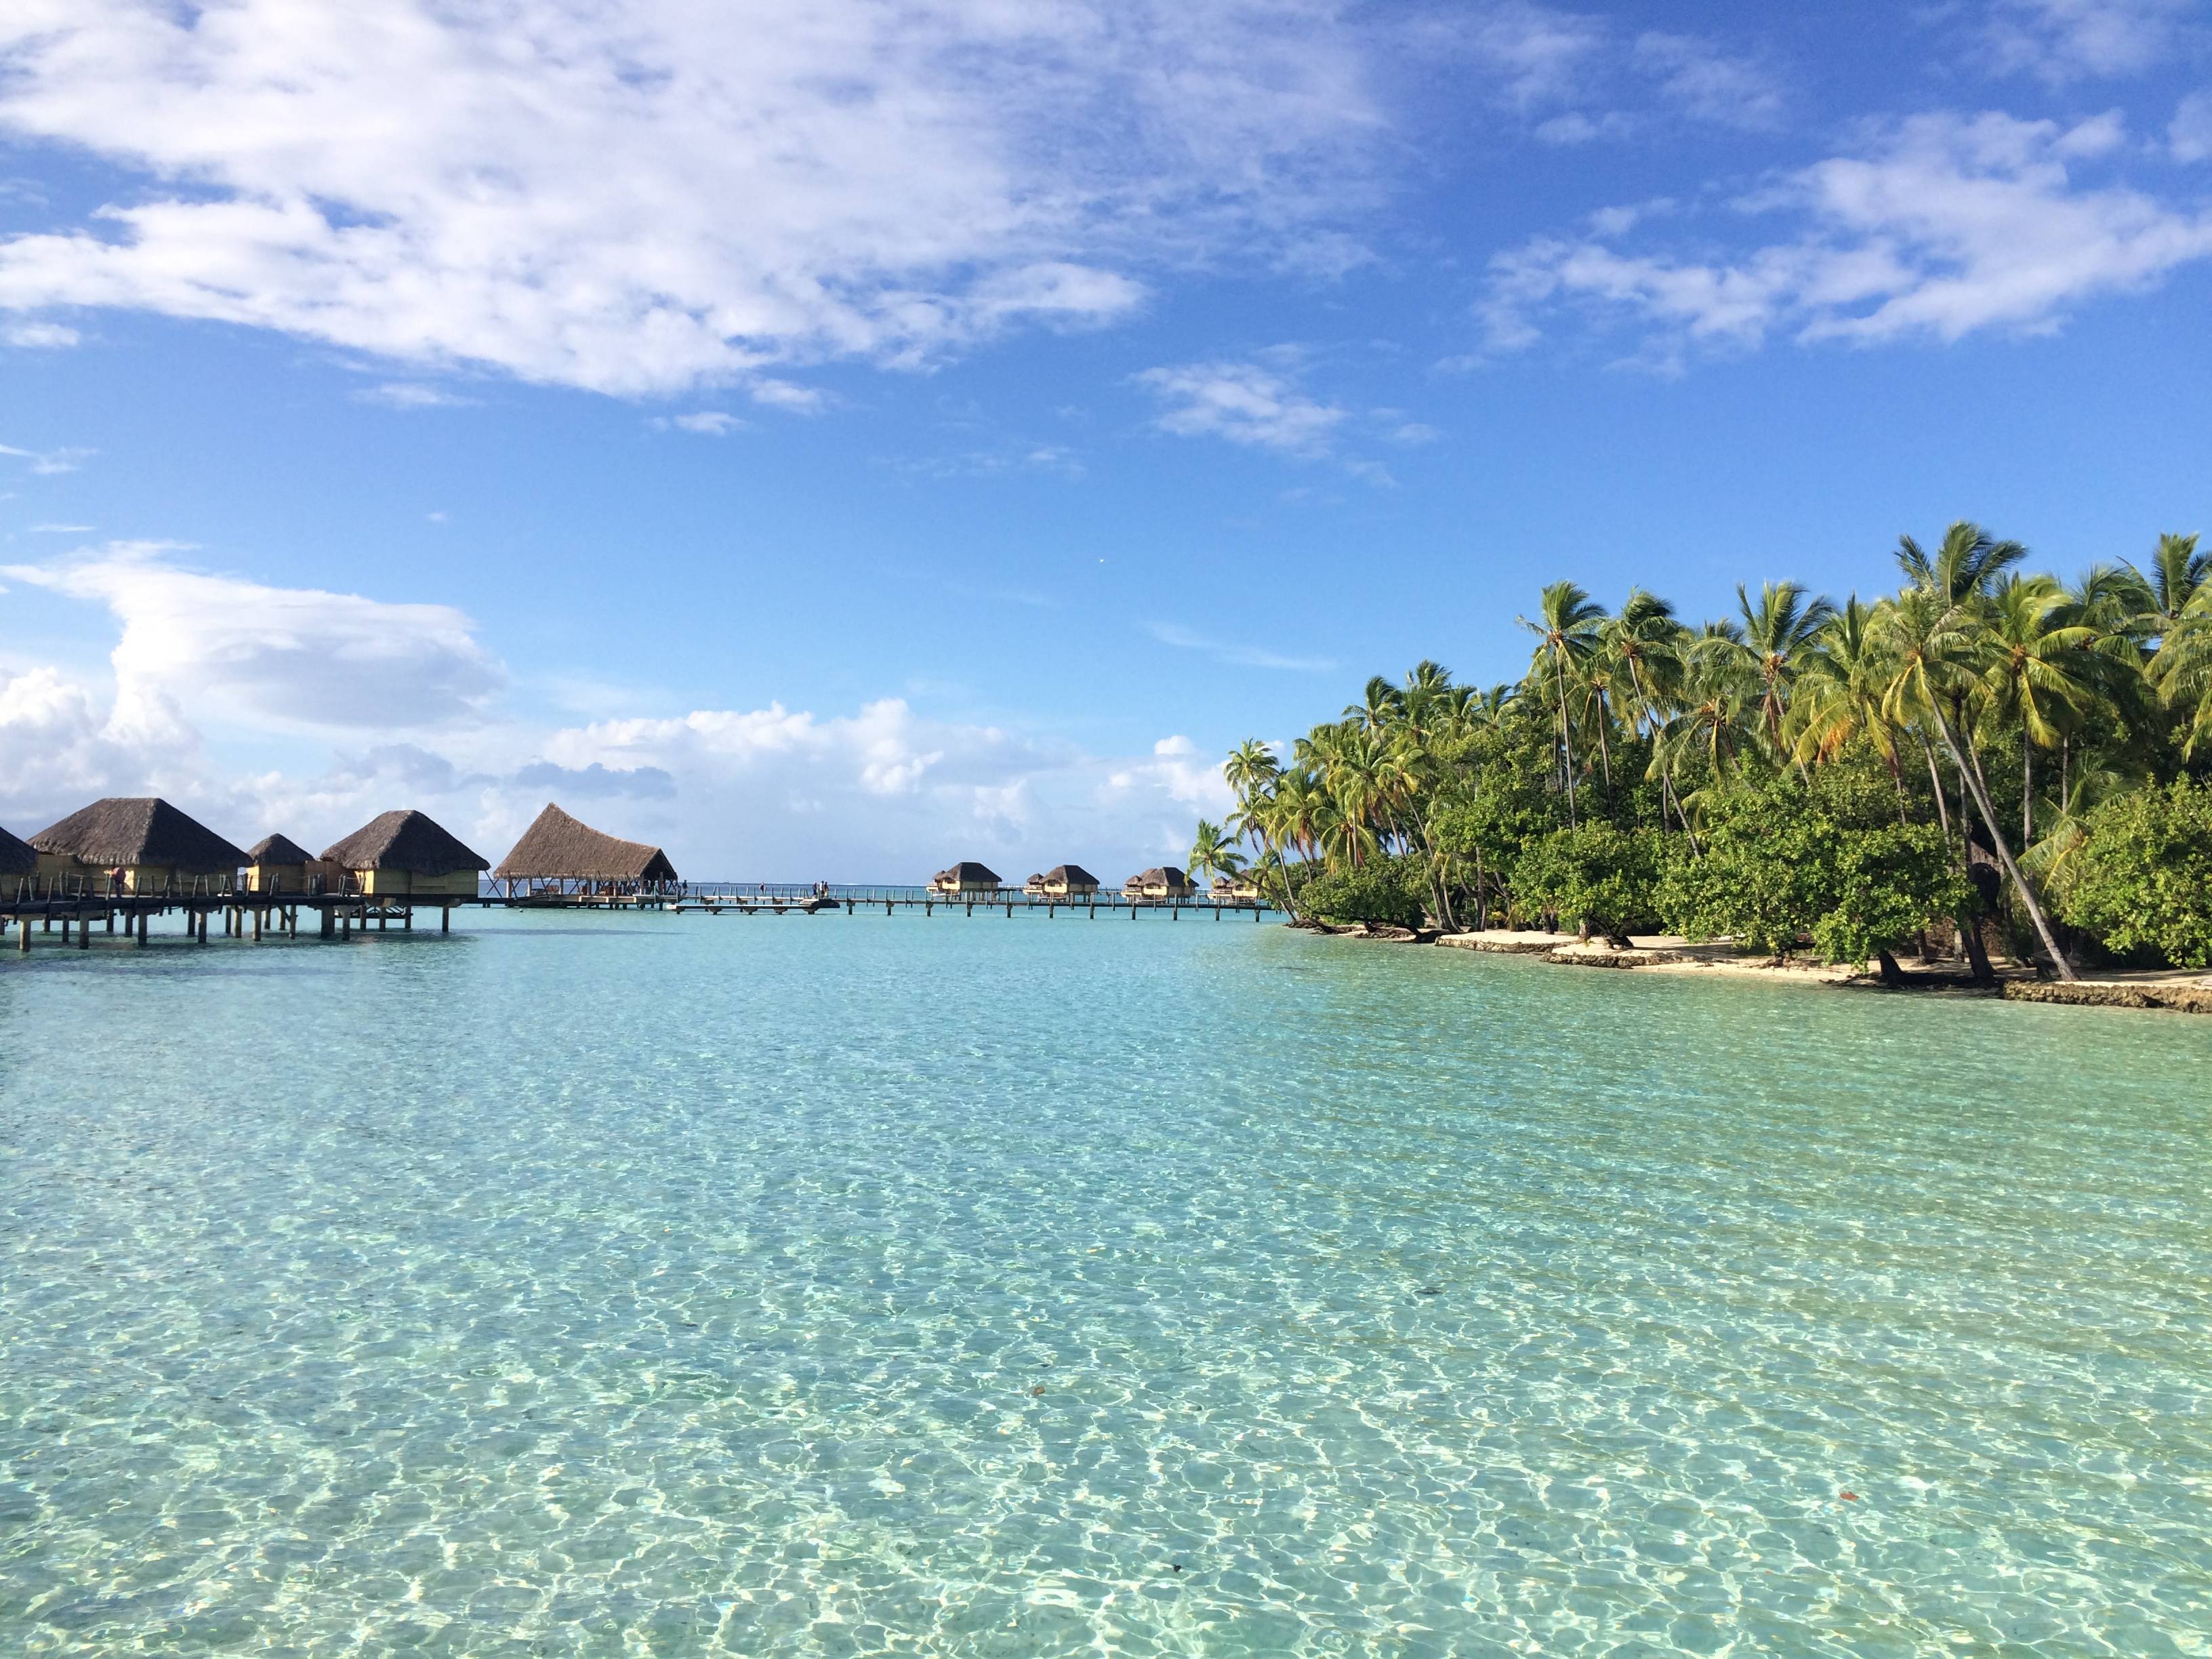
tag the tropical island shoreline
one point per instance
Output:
(2171, 990)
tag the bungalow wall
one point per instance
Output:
(276, 877)
(406, 884)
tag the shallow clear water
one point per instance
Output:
(854, 1285)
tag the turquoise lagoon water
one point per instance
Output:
(852, 1286)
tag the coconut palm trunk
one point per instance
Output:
(1566, 735)
(1971, 776)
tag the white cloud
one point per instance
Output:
(2063, 41)
(42, 337)
(1534, 54)
(1577, 128)
(706, 422)
(645, 196)
(1245, 403)
(207, 668)
(269, 659)
(1939, 227)
(2190, 134)
(785, 394)
(410, 394)
(60, 529)
(49, 461)
(1707, 83)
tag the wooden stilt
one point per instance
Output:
(24, 937)
(84, 932)
(204, 927)
(142, 926)
(445, 917)
(258, 917)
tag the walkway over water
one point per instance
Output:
(73, 907)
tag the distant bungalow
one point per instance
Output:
(277, 864)
(562, 853)
(152, 845)
(965, 877)
(1166, 883)
(406, 854)
(1230, 888)
(1067, 881)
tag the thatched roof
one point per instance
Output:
(1162, 876)
(557, 845)
(405, 839)
(967, 873)
(129, 830)
(278, 849)
(1070, 875)
(17, 858)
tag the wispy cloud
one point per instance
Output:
(38, 337)
(2059, 41)
(643, 198)
(772, 394)
(1939, 227)
(1707, 82)
(50, 461)
(411, 394)
(1245, 403)
(2191, 134)
(1238, 656)
(60, 530)
(705, 422)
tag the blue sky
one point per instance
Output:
(837, 441)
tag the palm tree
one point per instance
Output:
(1568, 629)
(1213, 853)
(1775, 633)
(1965, 565)
(2177, 573)
(2044, 672)
(1839, 695)
(1941, 648)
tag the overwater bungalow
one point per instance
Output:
(277, 864)
(19, 863)
(406, 854)
(1233, 890)
(1069, 881)
(1159, 883)
(135, 844)
(965, 877)
(563, 854)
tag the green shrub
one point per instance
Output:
(2143, 878)
(1385, 891)
(1785, 863)
(1600, 878)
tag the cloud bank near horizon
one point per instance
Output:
(406, 706)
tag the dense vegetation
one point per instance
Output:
(1983, 757)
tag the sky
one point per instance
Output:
(831, 441)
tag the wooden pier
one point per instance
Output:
(34, 908)
(68, 913)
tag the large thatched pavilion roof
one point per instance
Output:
(404, 840)
(132, 831)
(17, 858)
(559, 847)
(1074, 875)
(277, 850)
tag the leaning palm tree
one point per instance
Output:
(1567, 626)
(1942, 648)
(1213, 852)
